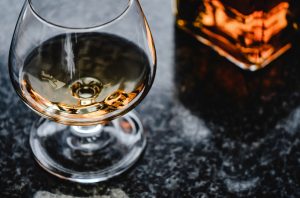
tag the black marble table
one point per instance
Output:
(213, 129)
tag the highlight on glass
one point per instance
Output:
(83, 66)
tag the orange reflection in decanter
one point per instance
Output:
(250, 38)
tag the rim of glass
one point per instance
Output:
(79, 28)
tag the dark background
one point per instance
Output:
(213, 129)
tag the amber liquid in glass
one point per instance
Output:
(250, 33)
(83, 75)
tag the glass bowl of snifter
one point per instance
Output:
(83, 66)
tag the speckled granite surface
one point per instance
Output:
(213, 130)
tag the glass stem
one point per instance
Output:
(87, 139)
(87, 131)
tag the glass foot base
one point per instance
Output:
(88, 154)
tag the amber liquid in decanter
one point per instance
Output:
(250, 33)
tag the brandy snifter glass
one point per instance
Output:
(82, 66)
